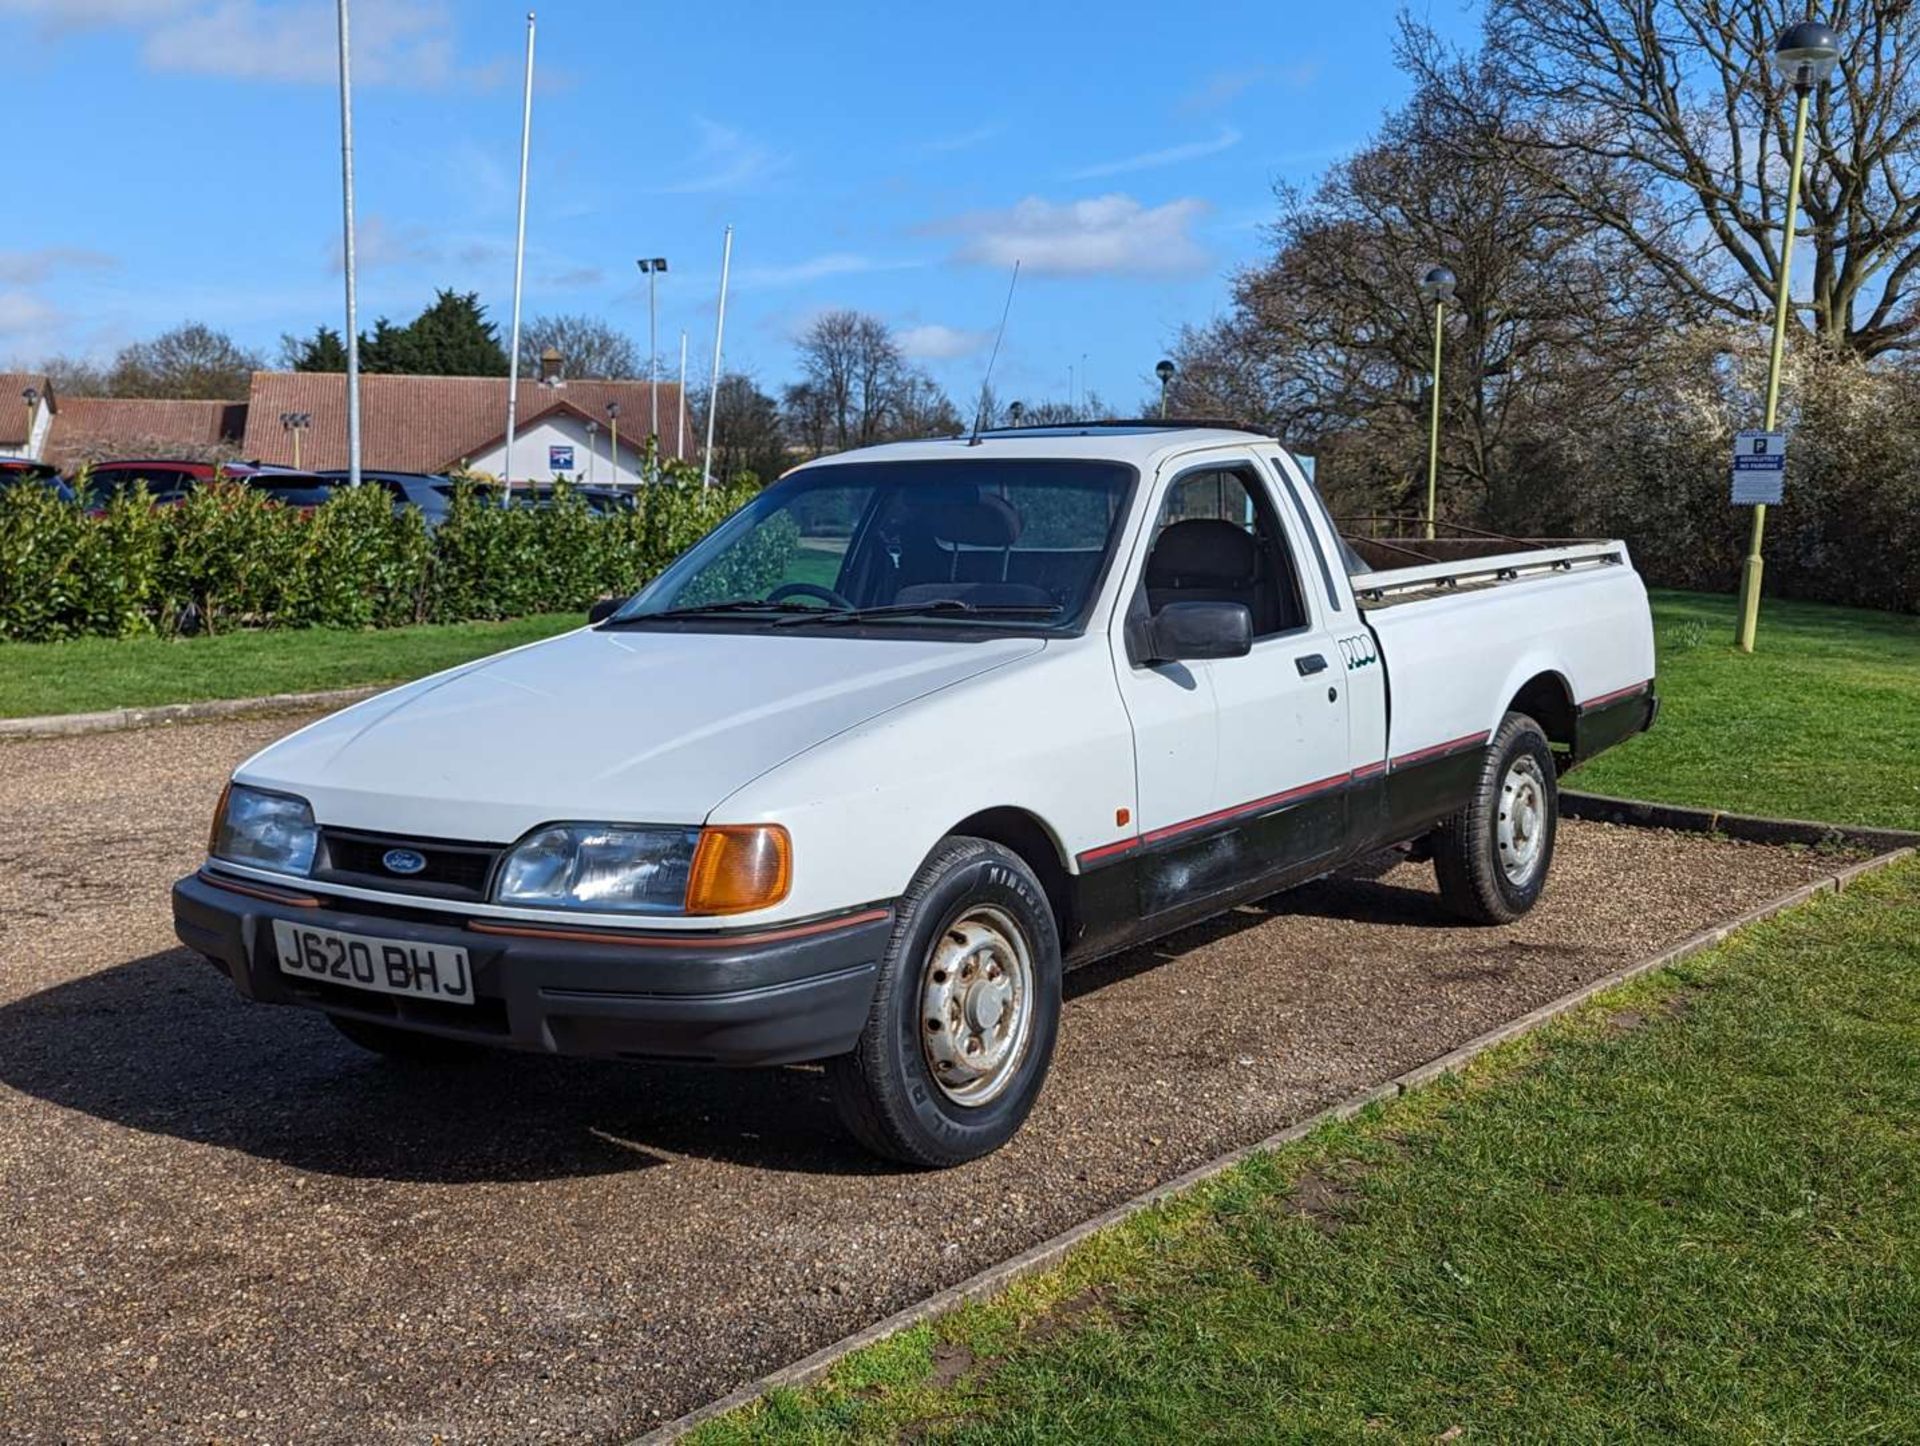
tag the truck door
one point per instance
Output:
(1241, 762)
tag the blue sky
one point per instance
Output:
(182, 160)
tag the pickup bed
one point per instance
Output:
(860, 773)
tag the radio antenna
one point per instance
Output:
(980, 407)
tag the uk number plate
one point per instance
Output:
(386, 966)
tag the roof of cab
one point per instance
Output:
(1144, 444)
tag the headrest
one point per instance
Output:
(983, 520)
(1204, 550)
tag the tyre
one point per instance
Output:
(964, 1014)
(405, 1045)
(1493, 856)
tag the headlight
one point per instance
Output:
(267, 830)
(596, 866)
(665, 870)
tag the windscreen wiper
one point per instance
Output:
(714, 609)
(949, 606)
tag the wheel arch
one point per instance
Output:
(1025, 833)
(1547, 698)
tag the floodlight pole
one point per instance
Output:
(347, 252)
(519, 269)
(1754, 568)
(713, 382)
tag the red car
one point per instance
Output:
(168, 481)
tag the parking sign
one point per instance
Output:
(1759, 468)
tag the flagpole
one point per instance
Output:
(713, 382)
(347, 253)
(680, 427)
(519, 269)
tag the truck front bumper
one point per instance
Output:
(778, 995)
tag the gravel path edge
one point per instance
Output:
(115, 720)
(1047, 1253)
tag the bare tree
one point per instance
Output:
(588, 347)
(192, 362)
(1664, 121)
(857, 389)
(1330, 343)
(747, 433)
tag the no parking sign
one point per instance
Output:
(1759, 468)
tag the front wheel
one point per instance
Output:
(1492, 857)
(964, 1014)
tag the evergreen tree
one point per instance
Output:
(324, 351)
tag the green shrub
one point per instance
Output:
(226, 557)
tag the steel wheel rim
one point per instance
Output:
(976, 1005)
(1520, 834)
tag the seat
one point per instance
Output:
(1203, 559)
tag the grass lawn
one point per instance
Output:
(88, 674)
(1686, 1213)
(1822, 721)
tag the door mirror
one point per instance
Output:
(605, 608)
(1189, 631)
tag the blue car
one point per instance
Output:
(21, 471)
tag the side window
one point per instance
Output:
(1217, 539)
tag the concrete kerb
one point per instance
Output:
(1035, 1259)
(115, 720)
(1749, 828)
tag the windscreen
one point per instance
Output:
(1016, 542)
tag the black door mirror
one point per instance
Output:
(1188, 631)
(605, 608)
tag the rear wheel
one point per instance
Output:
(964, 1014)
(1492, 857)
(405, 1045)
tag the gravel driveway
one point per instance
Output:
(222, 1222)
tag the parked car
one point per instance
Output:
(166, 480)
(23, 471)
(861, 771)
(602, 501)
(431, 492)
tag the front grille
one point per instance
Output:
(453, 870)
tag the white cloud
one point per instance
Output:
(1223, 87)
(815, 268)
(1108, 235)
(27, 323)
(1168, 156)
(726, 160)
(377, 244)
(26, 268)
(395, 42)
(934, 342)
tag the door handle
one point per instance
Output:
(1309, 664)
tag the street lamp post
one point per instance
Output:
(613, 445)
(31, 396)
(593, 450)
(1165, 371)
(295, 423)
(1805, 55)
(1437, 287)
(651, 267)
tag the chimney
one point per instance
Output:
(550, 369)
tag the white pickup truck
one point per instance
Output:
(858, 774)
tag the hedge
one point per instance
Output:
(226, 557)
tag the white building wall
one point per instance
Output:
(533, 455)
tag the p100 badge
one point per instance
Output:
(1360, 651)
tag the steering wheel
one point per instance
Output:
(810, 589)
